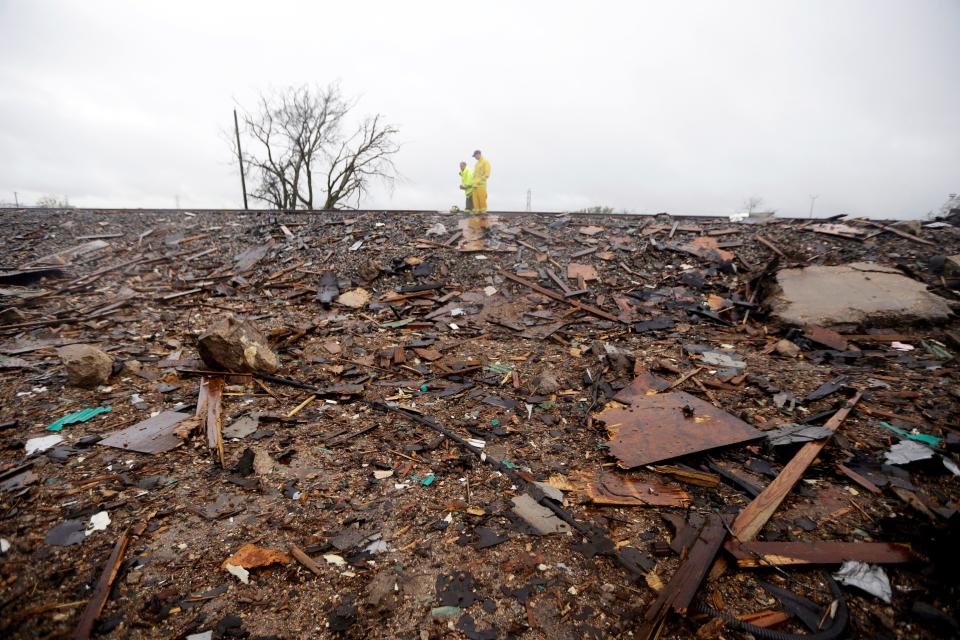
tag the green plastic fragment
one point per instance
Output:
(495, 422)
(507, 463)
(933, 441)
(80, 416)
(936, 348)
(424, 387)
(445, 612)
(547, 404)
(428, 480)
(496, 367)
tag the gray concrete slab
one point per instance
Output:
(859, 293)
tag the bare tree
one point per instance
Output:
(752, 203)
(298, 153)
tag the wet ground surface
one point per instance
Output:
(413, 535)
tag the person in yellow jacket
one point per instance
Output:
(481, 171)
(466, 183)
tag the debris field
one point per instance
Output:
(370, 424)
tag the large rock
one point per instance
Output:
(86, 365)
(951, 266)
(860, 293)
(236, 345)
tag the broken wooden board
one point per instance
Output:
(769, 554)
(600, 313)
(29, 276)
(751, 520)
(247, 260)
(585, 271)
(102, 590)
(209, 406)
(705, 248)
(679, 592)
(612, 489)
(153, 435)
(65, 256)
(660, 426)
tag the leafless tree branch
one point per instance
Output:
(297, 134)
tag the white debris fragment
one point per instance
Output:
(378, 546)
(871, 579)
(437, 230)
(907, 451)
(42, 443)
(98, 522)
(242, 574)
(4, 545)
(206, 635)
(335, 560)
(951, 466)
(489, 291)
(382, 474)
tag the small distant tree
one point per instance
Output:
(596, 209)
(299, 153)
(54, 202)
(752, 203)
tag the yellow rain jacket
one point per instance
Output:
(466, 179)
(481, 171)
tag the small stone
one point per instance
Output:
(86, 365)
(787, 349)
(236, 345)
(545, 384)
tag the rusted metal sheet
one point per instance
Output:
(660, 426)
(610, 488)
(761, 554)
(153, 435)
(680, 591)
(826, 337)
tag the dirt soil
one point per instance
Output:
(413, 534)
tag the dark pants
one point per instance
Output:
(469, 204)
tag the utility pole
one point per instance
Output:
(243, 180)
(16, 200)
(812, 200)
(529, 199)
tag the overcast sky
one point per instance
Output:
(686, 107)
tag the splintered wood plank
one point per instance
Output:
(755, 515)
(600, 313)
(766, 554)
(680, 591)
(99, 598)
(209, 407)
(613, 489)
